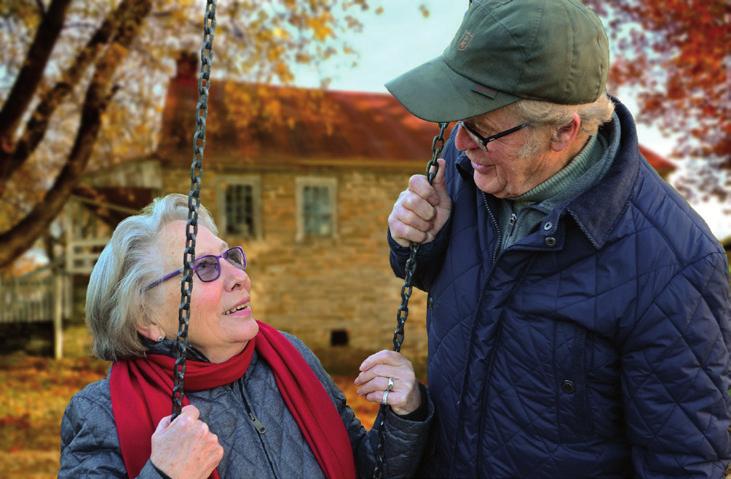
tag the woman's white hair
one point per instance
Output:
(592, 115)
(116, 297)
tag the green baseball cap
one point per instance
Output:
(505, 50)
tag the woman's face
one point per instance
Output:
(221, 320)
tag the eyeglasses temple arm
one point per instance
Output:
(163, 279)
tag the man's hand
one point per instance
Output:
(186, 447)
(421, 210)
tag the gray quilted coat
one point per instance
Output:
(271, 447)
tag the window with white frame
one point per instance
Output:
(316, 212)
(239, 207)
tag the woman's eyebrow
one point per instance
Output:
(222, 246)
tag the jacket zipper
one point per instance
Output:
(513, 220)
(258, 425)
(499, 326)
(492, 267)
(497, 228)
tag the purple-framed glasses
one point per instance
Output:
(484, 140)
(208, 267)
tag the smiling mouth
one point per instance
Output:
(481, 167)
(240, 307)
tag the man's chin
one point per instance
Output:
(488, 182)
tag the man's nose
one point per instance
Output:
(463, 140)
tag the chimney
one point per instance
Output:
(188, 65)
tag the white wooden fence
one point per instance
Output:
(35, 297)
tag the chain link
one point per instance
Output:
(186, 284)
(191, 229)
(403, 311)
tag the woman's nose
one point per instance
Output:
(235, 278)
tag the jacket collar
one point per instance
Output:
(609, 197)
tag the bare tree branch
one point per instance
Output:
(130, 15)
(31, 73)
(38, 122)
(41, 8)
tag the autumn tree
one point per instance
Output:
(676, 55)
(82, 81)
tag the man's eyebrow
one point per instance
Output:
(484, 125)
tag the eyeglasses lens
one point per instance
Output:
(208, 268)
(236, 257)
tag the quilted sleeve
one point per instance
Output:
(404, 446)
(675, 376)
(405, 439)
(89, 445)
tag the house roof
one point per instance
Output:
(298, 126)
(308, 126)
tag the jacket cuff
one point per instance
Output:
(428, 250)
(420, 418)
(150, 471)
(422, 412)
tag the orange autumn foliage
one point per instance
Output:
(676, 54)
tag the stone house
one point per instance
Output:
(308, 202)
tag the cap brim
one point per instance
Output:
(434, 92)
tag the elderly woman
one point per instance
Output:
(259, 404)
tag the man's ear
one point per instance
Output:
(151, 331)
(564, 137)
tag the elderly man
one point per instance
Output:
(578, 309)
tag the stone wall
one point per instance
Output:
(316, 286)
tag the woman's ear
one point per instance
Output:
(564, 137)
(151, 331)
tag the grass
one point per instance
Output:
(35, 392)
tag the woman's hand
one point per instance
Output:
(185, 448)
(405, 395)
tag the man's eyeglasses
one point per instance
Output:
(208, 268)
(482, 141)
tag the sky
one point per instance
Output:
(401, 38)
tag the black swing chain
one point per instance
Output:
(403, 311)
(186, 284)
(191, 229)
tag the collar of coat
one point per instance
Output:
(598, 210)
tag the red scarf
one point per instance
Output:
(141, 389)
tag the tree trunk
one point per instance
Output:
(17, 240)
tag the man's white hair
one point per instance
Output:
(592, 115)
(116, 300)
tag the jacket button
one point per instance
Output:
(550, 241)
(568, 386)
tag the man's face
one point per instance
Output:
(514, 163)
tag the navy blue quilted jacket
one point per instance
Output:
(597, 346)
